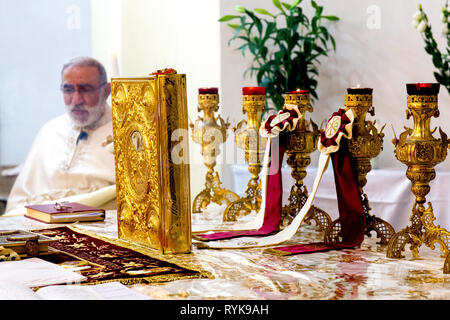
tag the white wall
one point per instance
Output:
(37, 38)
(106, 34)
(149, 35)
(384, 59)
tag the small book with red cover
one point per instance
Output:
(62, 212)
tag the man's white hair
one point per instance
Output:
(94, 112)
(87, 62)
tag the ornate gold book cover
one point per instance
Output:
(153, 189)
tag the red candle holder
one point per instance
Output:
(298, 91)
(422, 88)
(253, 91)
(359, 90)
(208, 91)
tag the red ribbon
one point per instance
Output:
(344, 121)
(351, 210)
(292, 115)
(274, 192)
(272, 212)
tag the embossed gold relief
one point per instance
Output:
(299, 145)
(447, 263)
(153, 192)
(420, 151)
(209, 134)
(247, 137)
(365, 144)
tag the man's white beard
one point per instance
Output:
(88, 115)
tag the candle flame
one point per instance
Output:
(358, 85)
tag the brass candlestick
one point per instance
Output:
(249, 139)
(299, 145)
(209, 134)
(365, 144)
(420, 151)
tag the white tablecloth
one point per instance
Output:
(388, 190)
(362, 273)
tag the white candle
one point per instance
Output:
(114, 65)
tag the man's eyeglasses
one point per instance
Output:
(82, 88)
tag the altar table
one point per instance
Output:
(250, 274)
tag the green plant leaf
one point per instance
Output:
(233, 25)
(325, 32)
(437, 61)
(314, 24)
(277, 4)
(319, 11)
(438, 77)
(264, 11)
(286, 5)
(295, 3)
(286, 57)
(270, 28)
(227, 18)
(240, 9)
(242, 48)
(333, 42)
(253, 48)
(429, 49)
(324, 42)
(332, 18)
(314, 71)
(252, 15)
(237, 31)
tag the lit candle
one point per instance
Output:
(208, 91)
(253, 91)
(359, 90)
(422, 88)
(298, 91)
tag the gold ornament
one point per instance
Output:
(420, 151)
(253, 144)
(152, 164)
(209, 134)
(365, 144)
(299, 145)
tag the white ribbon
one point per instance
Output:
(288, 232)
(258, 220)
(282, 236)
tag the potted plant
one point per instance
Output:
(286, 46)
(440, 59)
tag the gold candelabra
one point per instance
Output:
(209, 134)
(300, 143)
(253, 144)
(420, 151)
(365, 144)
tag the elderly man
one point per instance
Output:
(71, 157)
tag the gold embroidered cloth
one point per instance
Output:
(105, 261)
